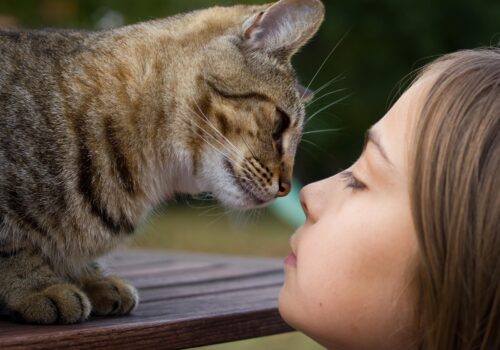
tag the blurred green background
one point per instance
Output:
(379, 44)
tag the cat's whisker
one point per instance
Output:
(324, 95)
(249, 216)
(252, 216)
(236, 154)
(320, 131)
(207, 121)
(224, 138)
(210, 210)
(312, 144)
(323, 64)
(221, 216)
(235, 216)
(240, 178)
(208, 196)
(212, 146)
(210, 223)
(204, 202)
(259, 212)
(228, 156)
(203, 198)
(326, 107)
(191, 205)
(208, 214)
(230, 211)
(197, 127)
(248, 147)
(242, 218)
(329, 83)
(312, 153)
(234, 162)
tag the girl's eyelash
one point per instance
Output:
(351, 181)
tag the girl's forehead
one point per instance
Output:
(397, 127)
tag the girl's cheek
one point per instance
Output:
(315, 256)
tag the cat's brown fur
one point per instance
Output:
(98, 127)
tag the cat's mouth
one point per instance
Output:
(243, 185)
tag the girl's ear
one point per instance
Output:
(284, 27)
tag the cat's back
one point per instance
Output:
(25, 52)
(31, 130)
(32, 63)
(43, 42)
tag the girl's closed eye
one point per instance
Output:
(351, 181)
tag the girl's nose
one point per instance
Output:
(314, 198)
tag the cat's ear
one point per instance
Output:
(284, 27)
(305, 93)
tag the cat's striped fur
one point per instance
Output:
(98, 127)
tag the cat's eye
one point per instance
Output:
(351, 181)
(282, 124)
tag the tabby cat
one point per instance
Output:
(96, 128)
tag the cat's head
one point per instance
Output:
(250, 109)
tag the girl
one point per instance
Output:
(402, 250)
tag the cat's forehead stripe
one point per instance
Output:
(253, 95)
(250, 95)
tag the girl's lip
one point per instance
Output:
(291, 260)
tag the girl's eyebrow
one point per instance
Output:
(372, 136)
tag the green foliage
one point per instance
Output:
(384, 41)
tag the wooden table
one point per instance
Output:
(187, 300)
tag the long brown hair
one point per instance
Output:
(455, 194)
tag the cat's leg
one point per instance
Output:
(31, 292)
(109, 295)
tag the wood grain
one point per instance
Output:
(187, 300)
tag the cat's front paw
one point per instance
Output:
(111, 296)
(58, 303)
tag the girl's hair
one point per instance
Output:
(455, 194)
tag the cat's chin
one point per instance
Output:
(243, 202)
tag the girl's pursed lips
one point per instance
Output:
(291, 260)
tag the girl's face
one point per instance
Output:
(348, 278)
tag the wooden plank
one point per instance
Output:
(170, 269)
(134, 257)
(158, 335)
(187, 300)
(202, 307)
(209, 287)
(221, 273)
(191, 269)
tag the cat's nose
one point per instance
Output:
(285, 187)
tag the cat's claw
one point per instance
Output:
(111, 296)
(59, 303)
